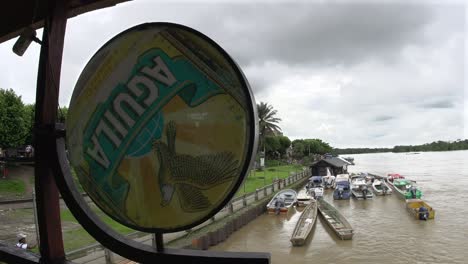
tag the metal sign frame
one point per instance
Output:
(251, 116)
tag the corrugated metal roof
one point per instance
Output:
(334, 161)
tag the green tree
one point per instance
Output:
(285, 143)
(268, 122)
(272, 146)
(28, 117)
(298, 148)
(62, 114)
(12, 124)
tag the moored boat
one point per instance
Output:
(379, 187)
(420, 209)
(342, 191)
(304, 196)
(340, 177)
(317, 193)
(393, 176)
(359, 188)
(305, 224)
(406, 189)
(282, 201)
(335, 220)
(315, 181)
(328, 181)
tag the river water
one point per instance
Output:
(384, 231)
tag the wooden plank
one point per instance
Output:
(50, 232)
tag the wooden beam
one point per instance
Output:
(48, 83)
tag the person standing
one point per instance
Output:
(28, 151)
(3, 169)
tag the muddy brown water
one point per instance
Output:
(384, 231)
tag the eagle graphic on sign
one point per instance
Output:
(189, 175)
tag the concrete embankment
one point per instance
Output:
(221, 229)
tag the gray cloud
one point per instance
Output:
(323, 33)
(383, 118)
(354, 75)
(439, 104)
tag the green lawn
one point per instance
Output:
(15, 186)
(258, 179)
(77, 238)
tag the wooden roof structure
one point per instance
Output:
(18, 14)
(333, 161)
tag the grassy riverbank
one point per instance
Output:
(76, 237)
(258, 179)
(11, 187)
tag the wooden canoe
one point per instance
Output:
(335, 220)
(413, 205)
(305, 224)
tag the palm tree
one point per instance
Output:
(268, 123)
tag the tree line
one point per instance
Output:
(17, 120)
(434, 146)
(274, 145)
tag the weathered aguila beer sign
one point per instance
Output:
(161, 127)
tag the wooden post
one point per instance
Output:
(231, 208)
(47, 95)
(244, 200)
(256, 194)
(108, 256)
(265, 191)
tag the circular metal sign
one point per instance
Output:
(161, 127)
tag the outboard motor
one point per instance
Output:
(340, 193)
(423, 213)
(413, 192)
(277, 207)
(384, 188)
(364, 192)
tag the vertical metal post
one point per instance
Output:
(47, 95)
(158, 238)
(35, 217)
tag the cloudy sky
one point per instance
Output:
(354, 73)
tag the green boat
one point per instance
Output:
(406, 189)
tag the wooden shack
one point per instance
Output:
(335, 165)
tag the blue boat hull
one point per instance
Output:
(345, 195)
